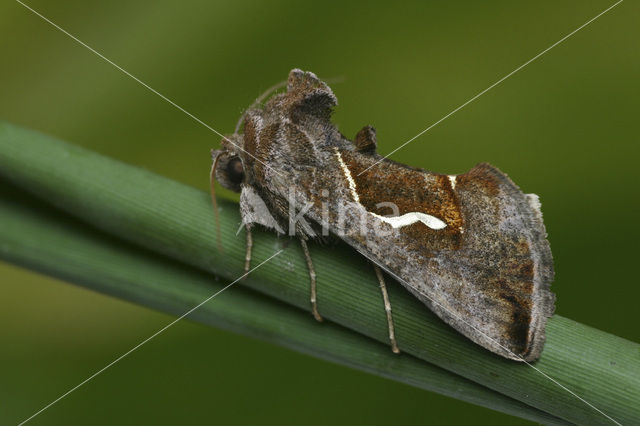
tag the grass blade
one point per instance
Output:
(176, 220)
(41, 238)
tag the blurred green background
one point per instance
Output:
(564, 127)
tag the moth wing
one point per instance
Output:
(486, 273)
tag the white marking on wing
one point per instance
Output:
(395, 221)
(452, 179)
(411, 218)
(347, 174)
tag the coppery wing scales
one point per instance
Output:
(486, 272)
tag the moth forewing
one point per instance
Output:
(486, 273)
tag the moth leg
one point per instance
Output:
(387, 308)
(247, 254)
(312, 277)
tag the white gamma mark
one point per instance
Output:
(452, 179)
(395, 221)
(347, 174)
(411, 218)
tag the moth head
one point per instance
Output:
(227, 169)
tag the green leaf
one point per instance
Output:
(38, 237)
(176, 221)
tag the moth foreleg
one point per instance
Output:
(249, 248)
(312, 277)
(387, 309)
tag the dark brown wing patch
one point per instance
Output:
(411, 190)
(511, 261)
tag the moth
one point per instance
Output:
(472, 247)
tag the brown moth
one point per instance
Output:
(472, 247)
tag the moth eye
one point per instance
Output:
(235, 171)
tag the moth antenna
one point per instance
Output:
(214, 202)
(259, 100)
(335, 80)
